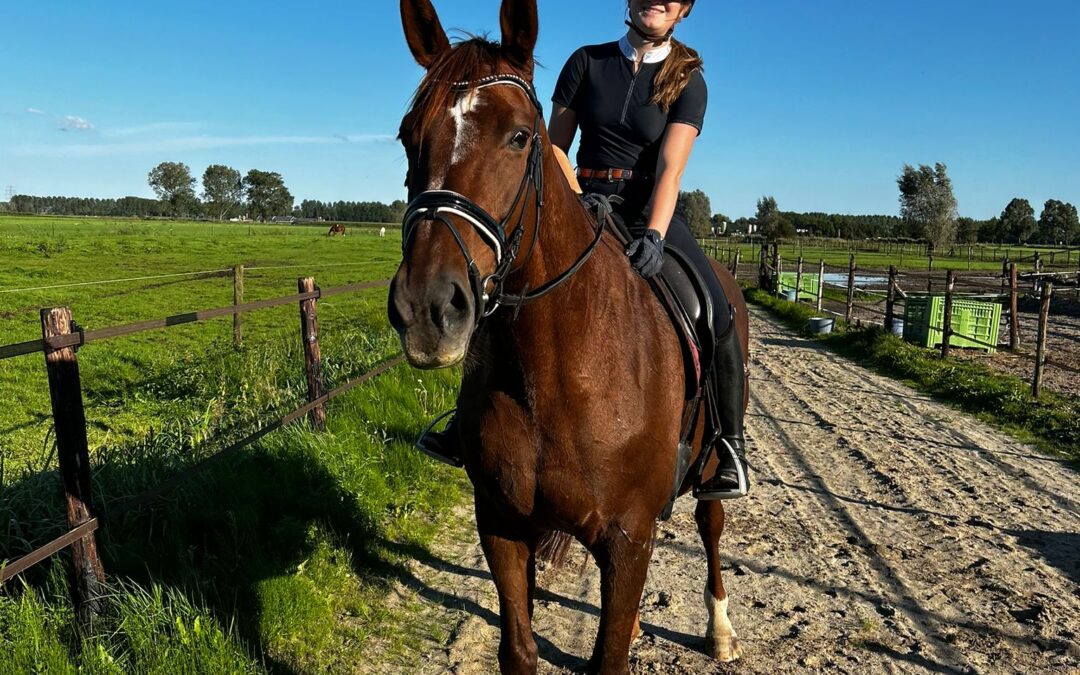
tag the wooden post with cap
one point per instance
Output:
(73, 453)
(309, 333)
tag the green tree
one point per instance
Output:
(1018, 221)
(1058, 223)
(768, 218)
(927, 204)
(267, 195)
(697, 209)
(967, 230)
(223, 190)
(172, 183)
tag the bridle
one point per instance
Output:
(438, 205)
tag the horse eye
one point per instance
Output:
(520, 140)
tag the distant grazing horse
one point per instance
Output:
(573, 388)
(336, 228)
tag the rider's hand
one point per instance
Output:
(646, 254)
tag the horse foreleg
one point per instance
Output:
(512, 562)
(624, 563)
(721, 642)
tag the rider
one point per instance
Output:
(640, 103)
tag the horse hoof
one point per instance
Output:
(724, 649)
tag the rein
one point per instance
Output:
(438, 205)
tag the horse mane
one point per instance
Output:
(470, 59)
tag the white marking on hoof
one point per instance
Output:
(720, 639)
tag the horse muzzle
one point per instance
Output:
(434, 319)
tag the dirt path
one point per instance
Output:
(885, 533)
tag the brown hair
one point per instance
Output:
(674, 75)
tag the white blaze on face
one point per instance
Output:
(464, 133)
(464, 129)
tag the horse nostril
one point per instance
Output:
(449, 305)
(459, 301)
(397, 308)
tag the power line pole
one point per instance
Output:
(9, 192)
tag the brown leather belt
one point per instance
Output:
(610, 175)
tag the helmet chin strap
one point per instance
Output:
(650, 39)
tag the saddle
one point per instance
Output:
(686, 299)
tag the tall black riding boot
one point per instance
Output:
(726, 388)
(444, 445)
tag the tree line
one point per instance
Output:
(928, 209)
(258, 195)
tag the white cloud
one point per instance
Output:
(186, 144)
(75, 122)
(35, 111)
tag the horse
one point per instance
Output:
(336, 228)
(573, 394)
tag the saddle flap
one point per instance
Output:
(692, 298)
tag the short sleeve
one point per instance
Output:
(569, 84)
(689, 108)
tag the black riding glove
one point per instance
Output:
(646, 254)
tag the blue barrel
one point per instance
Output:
(898, 327)
(820, 325)
(790, 296)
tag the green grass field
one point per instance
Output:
(279, 558)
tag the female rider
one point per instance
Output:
(640, 104)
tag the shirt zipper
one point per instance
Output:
(626, 104)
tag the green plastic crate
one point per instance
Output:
(975, 324)
(809, 283)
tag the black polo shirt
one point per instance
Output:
(619, 127)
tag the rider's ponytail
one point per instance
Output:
(674, 75)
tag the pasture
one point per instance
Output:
(279, 557)
(343, 551)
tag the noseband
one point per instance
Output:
(438, 205)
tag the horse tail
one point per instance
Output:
(553, 547)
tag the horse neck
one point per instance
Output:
(565, 232)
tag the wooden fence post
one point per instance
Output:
(763, 267)
(821, 283)
(890, 300)
(850, 289)
(1040, 351)
(735, 264)
(237, 299)
(798, 280)
(1014, 319)
(309, 332)
(72, 449)
(946, 319)
(777, 263)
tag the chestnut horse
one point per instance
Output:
(573, 391)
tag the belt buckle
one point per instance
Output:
(610, 176)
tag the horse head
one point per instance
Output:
(473, 138)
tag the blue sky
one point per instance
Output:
(817, 102)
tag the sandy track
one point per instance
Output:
(885, 533)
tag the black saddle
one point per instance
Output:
(685, 297)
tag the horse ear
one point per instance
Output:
(520, 26)
(423, 31)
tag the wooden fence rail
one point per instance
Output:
(60, 339)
